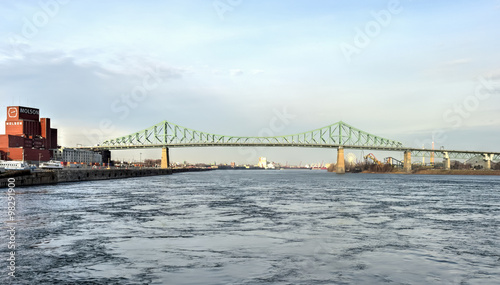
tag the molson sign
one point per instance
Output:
(22, 113)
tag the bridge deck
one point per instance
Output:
(459, 154)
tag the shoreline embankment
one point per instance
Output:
(27, 178)
(456, 172)
(441, 172)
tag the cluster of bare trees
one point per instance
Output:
(152, 162)
(454, 164)
(495, 166)
(364, 166)
(374, 167)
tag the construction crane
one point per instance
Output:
(373, 158)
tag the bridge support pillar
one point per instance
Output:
(407, 161)
(446, 160)
(165, 160)
(487, 160)
(340, 169)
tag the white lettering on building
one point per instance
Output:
(29, 111)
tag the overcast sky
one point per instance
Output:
(405, 70)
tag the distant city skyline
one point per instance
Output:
(411, 71)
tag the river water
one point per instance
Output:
(259, 227)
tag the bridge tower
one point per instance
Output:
(487, 160)
(407, 161)
(340, 169)
(446, 160)
(165, 159)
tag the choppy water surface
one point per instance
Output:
(260, 227)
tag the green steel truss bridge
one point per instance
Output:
(338, 135)
(172, 135)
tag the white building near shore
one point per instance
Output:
(77, 155)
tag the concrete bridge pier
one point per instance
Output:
(340, 169)
(407, 161)
(165, 159)
(446, 160)
(487, 160)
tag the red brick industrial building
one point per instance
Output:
(27, 137)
